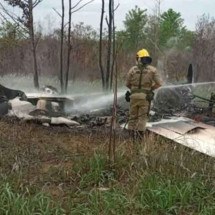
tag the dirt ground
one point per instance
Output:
(45, 154)
(47, 157)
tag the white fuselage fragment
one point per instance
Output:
(199, 136)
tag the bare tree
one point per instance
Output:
(100, 45)
(157, 28)
(204, 49)
(64, 77)
(107, 75)
(113, 127)
(109, 45)
(27, 21)
(31, 5)
(61, 47)
(68, 46)
(114, 49)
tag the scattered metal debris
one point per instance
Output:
(7, 94)
(51, 104)
(195, 135)
(49, 108)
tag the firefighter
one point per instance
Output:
(141, 79)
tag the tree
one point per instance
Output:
(134, 35)
(68, 46)
(110, 44)
(153, 31)
(186, 39)
(204, 49)
(61, 46)
(100, 44)
(171, 27)
(64, 76)
(10, 33)
(175, 43)
(107, 74)
(27, 21)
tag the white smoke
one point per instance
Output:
(91, 102)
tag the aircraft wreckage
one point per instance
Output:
(176, 113)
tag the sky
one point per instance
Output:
(190, 10)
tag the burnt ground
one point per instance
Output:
(34, 155)
(39, 156)
(69, 164)
(62, 160)
(42, 141)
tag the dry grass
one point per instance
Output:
(71, 166)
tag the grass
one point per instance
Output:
(68, 172)
(173, 196)
(141, 192)
(153, 194)
(24, 204)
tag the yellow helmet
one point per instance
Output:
(143, 53)
(143, 57)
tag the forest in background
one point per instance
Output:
(67, 170)
(172, 46)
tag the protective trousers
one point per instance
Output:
(138, 114)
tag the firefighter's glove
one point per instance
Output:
(150, 96)
(127, 96)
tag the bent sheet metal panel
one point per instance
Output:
(199, 136)
(180, 127)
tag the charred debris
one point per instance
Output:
(48, 106)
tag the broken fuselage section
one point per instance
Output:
(49, 102)
(7, 94)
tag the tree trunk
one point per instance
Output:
(100, 46)
(112, 138)
(32, 37)
(68, 46)
(114, 46)
(157, 31)
(61, 49)
(109, 48)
